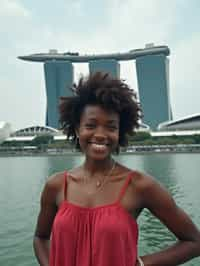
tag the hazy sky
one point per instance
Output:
(94, 27)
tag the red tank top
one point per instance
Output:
(99, 236)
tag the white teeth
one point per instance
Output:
(99, 146)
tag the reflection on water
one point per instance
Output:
(22, 179)
(151, 227)
(62, 163)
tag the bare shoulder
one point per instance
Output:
(150, 190)
(54, 181)
(75, 173)
(53, 186)
(140, 181)
(121, 171)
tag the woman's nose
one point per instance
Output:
(100, 133)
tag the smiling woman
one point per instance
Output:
(88, 214)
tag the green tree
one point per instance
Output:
(140, 136)
(42, 140)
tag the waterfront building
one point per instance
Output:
(153, 85)
(30, 133)
(152, 67)
(187, 123)
(104, 65)
(59, 78)
(36, 131)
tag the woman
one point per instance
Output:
(86, 210)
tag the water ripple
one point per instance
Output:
(20, 193)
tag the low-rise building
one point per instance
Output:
(5, 130)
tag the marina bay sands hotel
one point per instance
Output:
(152, 68)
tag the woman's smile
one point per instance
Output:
(99, 147)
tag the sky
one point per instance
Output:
(92, 27)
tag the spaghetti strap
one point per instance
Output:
(65, 185)
(124, 187)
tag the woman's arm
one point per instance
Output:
(161, 204)
(46, 216)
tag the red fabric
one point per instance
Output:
(100, 236)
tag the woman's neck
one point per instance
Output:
(97, 167)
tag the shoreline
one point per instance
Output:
(76, 153)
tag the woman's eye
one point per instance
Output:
(90, 125)
(112, 127)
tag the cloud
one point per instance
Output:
(13, 9)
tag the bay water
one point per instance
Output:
(22, 180)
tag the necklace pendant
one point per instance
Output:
(98, 184)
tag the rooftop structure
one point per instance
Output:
(78, 58)
(35, 131)
(190, 122)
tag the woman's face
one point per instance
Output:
(98, 132)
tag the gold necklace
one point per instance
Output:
(101, 183)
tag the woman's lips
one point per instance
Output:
(99, 146)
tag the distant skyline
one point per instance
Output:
(94, 27)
